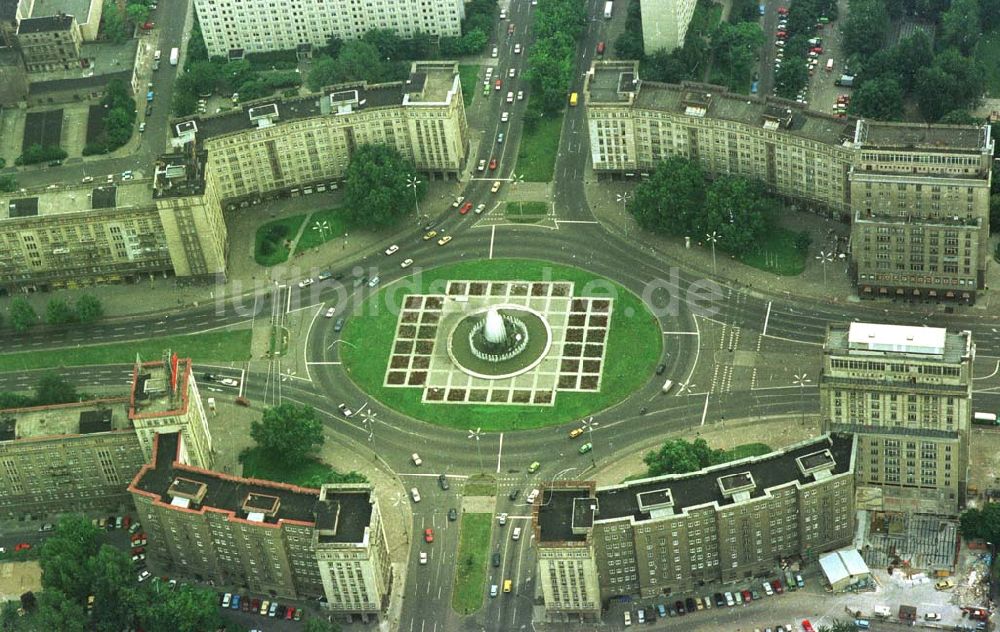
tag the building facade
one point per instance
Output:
(662, 536)
(918, 196)
(82, 456)
(255, 26)
(263, 536)
(906, 392)
(49, 43)
(665, 23)
(297, 145)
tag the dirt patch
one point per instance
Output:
(19, 577)
(42, 128)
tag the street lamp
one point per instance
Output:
(801, 381)
(624, 198)
(712, 238)
(322, 228)
(398, 500)
(476, 434)
(824, 258)
(368, 419)
(589, 426)
(516, 179)
(413, 183)
(345, 241)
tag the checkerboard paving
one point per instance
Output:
(580, 326)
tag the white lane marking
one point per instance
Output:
(767, 317)
(499, 453)
(493, 234)
(680, 333)
(309, 331)
(319, 362)
(986, 377)
(704, 413)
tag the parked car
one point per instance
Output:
(406, 263)
(346, 412)
(143, 576)
(391, 249)
(453, 514)
(416, 459)
(443, 482)
(415, 494)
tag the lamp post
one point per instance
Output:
(322, 228)
(398, 499)
(713, 237)
(624, 198)
(345, 241)
(824, 258)
(516, 179)
(589, 426)
(476, 434)
(413, 183)
(801, 381)
(368, 419)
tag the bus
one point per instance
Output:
(572, 99)
(607, 9)
(174, 55)
(985, 419)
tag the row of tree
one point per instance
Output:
(675, 200)
(37, 153)
(207, 77)
(480, 20)
(8, 183)
(117, 120)
(802, 19)
(50, 389)
(119, 20)
(58, 311)
(558, 26)
(380, 55)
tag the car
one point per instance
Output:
(945, 584)
(208, 377)
(149, 109)
(330, 312)
(660, 368)
(264, 608)
(458, 201)
(517, 49)
(87, 179)
(444, 240)
(520, 95)
(575, 432)
(428, 535)
(782, 11)
(932, 616)
(504, 116)
(414, 494)
(807, 626)
(532, 495)
(780, 44)
(486, 88)
(754, 594)
(143, 576)
(514, 494)
(494, 590)
(516, 533)
(391, 250)
(452, 514)
(502, 519)
(533, 467)
(641, 618)
(481, 208)
(142, 127)
(337, 326)
(126, 522)
(778, 587)
(298, 614)
(661, 610)
(465, 208)
(22, 546)
(495, 187)
(493, 164)
(628, 618)
(482, 165)
(799, 581)
(730, 600)
(273, 610)
(781, 35)
(747, 597)
(679, 607)
(136, 550)
(496, 560)
(495, 52)
(406, 263)
(374, 281)
(127, 175)
(510, 97)
(416, 459)
(586, 447)
(443, 482)
(500, 138)
(497, 84)
(48, 526)
(235, 603)
(768, 590)
(304, 283)
(228, 381)
(512, 71)
(431, 234)
(344, 410)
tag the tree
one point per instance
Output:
(113, 589)
(679, 456)
(8, 183)
(22, 314)
(375, 189)
(333, 46)
(290, 430)
(910, 55)
(959, 117)
(989, 13)
(15, 400)
(57, 611)
(880, 99)
(137, 13)
(318, 624)
(866, 27)
(89, 308)
(58, 312)
(323, 73)
(981, 523)
(736, 49)
(65, 559)
(184, 102)
(186, 609)
(54, 389)
(113, 23)
(204, 76)
(960, 25)
(736, 209)
(671, 199)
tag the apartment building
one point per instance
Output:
(82, 456)
(921, 200)
(49, 43)
(665, 23)
(662, 536)
(89, 234)
(906, 393)
(255, 26)
(262, 536)
(295, 146)
(918, 196)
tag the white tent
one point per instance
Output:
(844, 568)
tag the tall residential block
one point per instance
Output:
(301, 145)
(255, 26)
(906, 393)
(665, 535)
(917, 195)
(263, 536)
(82, 456)
(665, 23)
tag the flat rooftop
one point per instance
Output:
(74, 198)
(45, 24)
(691, 490)
(881, 339)
(221, 492)
(343, 516)
(610, 81)
(64, 419)
(107, 61)
(153, 390)
(77, 8)
(179, 174)
(883, 135)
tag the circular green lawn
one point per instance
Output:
(635, 345)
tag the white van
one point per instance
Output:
(532, 496)
(516, 535)
(226, 598)
(669, 384)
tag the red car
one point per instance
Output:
(807, 626)
(465, 208)
(780, 35)
(493, 163)
(816, 49)
(23, 546)
(255, 605)
(600, 48)
(782, 11)
(137, 550)
(428, 535)
(747, 597)
(496, 86)
(126, 522)
(778, 588)
(289, 614)
(148, 26)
